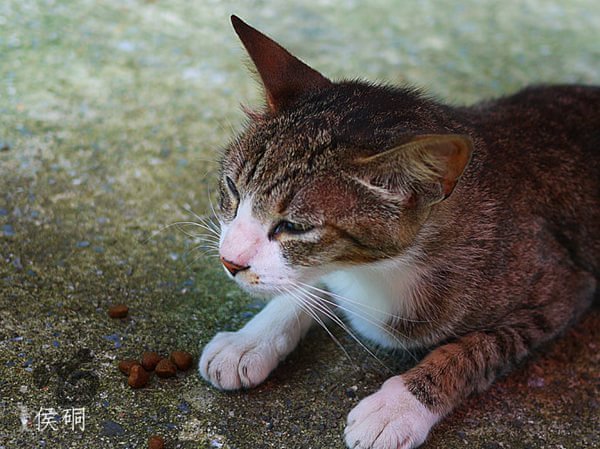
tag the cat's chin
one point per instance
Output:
(264, 291)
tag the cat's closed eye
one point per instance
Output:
(232, 188)
(290, 228)
(229, 200)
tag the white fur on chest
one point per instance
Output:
(372, 296)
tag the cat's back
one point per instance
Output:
(539, 159)
(544, 114)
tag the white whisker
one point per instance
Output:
(282, 293)
(204, 222)
(158, 231)
(212, 208)
(314, 301)
(362, 305)
(194, 238)
(204, 253)
(384, 327)
(205, 249)
(200, 225)
(312, 313)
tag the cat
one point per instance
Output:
(473, 231)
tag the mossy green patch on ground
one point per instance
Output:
(112, 117)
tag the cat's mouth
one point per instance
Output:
(261, 285)
(263, 289)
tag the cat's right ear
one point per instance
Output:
(428, 165)
(284, 76)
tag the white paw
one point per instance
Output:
(392, 418)
(233, 360)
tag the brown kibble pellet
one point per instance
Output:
(156, 442)
(125, 365)
(165, 368)
(150, 360)
(118, 311)
(138, 377)
(183, 360)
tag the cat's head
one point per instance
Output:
(330, 174)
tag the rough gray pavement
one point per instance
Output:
(112, 114)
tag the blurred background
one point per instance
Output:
(112, 114)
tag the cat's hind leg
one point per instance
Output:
(244, 359)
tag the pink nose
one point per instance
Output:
(233, 268)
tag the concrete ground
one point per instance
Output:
(112, 114)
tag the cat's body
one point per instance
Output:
(525, 203)
(359, 187)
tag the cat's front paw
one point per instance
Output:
(392, 418)
(234, 360)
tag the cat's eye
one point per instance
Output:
(233, 189)
(229, 199)
(288, 227)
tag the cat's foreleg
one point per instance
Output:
(401, 414)
(244, 359)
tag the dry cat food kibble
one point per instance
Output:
(118, 311)
(125, 365)
(183, 360)
(150, 360)
(138, 377)
(165, 368)
(140, 372)
(156, 442)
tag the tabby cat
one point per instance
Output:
(473, 231)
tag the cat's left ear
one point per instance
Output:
(284, 76)
(430, 165)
